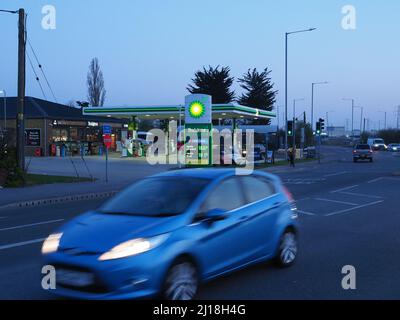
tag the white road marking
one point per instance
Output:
(336, 201)
(20, 244)
(335, 174)
(384, 178)
(375, 180)
(306, 213)
(361, 195)
(344, 189)
(31, 225)
(354, 208)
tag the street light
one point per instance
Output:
(5, 108)
(327, 120)
(385, 118)
(286, 79)
(312, 99)
(352, 115)
(362, 114)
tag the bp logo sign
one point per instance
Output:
(197, 109)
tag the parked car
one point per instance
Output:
(167, 234)
(363, 152)
(377, 144)
(394, 147)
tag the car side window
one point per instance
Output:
(227, 196)
(257, 188)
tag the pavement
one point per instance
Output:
(349, 215)
(121, 173)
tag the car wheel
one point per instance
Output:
(181, 282)
(371, 160)
(288, 249)
(354, 160)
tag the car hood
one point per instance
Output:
(96, 232)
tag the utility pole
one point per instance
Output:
(361, 121)
(21, 90)
(398, 117)
(385, 120)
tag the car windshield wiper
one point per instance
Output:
(150, 215)
(164, 214)
(120, 213)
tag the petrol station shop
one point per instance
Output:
(53, 129)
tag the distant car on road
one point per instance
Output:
(363, 152)
(166, 234)
(394, 147)
(377, 144)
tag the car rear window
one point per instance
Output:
(363, 147)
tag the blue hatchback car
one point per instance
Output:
(167, 234)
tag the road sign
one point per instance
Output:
(107, 129)
(107, 140)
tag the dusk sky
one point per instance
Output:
(150, 49)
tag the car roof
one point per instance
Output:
(210, 173)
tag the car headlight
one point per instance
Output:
(51, 244)
(133, 247)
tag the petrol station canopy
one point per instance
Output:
(219, 111)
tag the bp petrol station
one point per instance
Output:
(197, 114)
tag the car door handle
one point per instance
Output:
(277, 205)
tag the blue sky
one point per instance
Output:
(150, 49)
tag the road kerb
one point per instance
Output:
(58, 200)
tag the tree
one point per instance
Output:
(95, 83)
(215, 82)
(82, 104)
(259, 91)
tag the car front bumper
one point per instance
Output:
(136, 277)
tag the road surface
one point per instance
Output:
(349, 215)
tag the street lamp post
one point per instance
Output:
(312, 100)
(5, 108)
(385, 119)
(352, 115)
(286, 80)
(362, 112)
(327, 120)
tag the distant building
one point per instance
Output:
(336, 131)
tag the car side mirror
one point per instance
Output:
(215, 215)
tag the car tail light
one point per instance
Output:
(288, 194)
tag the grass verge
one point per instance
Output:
(39, 179)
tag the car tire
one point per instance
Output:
(181, 281)
(354, 160)
(287, 250)
(371, 160)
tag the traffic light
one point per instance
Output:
(290, 128)
(318, 128)
(322, 122)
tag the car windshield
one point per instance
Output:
(378, 141)
(165, 196)
(363, 147)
